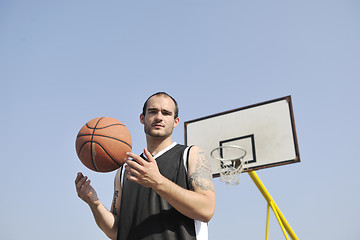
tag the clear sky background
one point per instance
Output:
(63, 63)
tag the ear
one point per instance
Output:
(142, 117)
(176, 122)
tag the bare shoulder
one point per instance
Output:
(200, 174)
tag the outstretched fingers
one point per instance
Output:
(149, 156)
(84, 190)
(132, 169)
(79, 181)
(135, 158)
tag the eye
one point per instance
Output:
(152, 111)
(166, 113)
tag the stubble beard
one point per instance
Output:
(155, 133)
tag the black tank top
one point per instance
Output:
(145, 215)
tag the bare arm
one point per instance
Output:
(106, 220)
(197, 203)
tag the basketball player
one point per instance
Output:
(166, 193)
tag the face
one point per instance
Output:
(159, 118)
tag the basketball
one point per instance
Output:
(102, 143)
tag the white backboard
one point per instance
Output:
(265, 130)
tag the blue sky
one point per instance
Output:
(63, 63)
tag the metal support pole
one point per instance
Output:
(267, 222)
(279, 220)
(272, 203)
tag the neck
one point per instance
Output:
(156, 144)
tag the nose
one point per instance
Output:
(158, 116)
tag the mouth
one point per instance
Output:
(158, 125)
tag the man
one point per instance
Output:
(166, 193)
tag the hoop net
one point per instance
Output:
(230, 163)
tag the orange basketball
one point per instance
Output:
(102, 143)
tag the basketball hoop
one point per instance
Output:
(231, 163)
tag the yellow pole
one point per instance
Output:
(267, 222)
(270, 201)
(279, 220)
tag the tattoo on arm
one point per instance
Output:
(114, 210)
(202, 176)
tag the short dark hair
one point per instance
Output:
(176, 113)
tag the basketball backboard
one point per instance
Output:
(265, 130)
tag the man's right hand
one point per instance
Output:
(85, 191)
